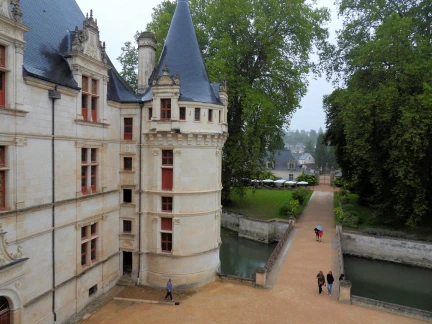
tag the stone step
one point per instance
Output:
(126, 282)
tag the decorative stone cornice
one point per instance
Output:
(6, 257)
(11, 9)
(166, 79)
(87, 42)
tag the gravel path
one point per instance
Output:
(293, 299)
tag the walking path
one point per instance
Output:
(293, 299)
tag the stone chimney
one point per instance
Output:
(146, 60)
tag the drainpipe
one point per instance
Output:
(53, 95)
(141, 105)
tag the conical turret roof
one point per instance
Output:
(182, 55)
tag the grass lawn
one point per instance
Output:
(264, 203)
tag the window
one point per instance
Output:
(167, 157)
(2, 76)
(291, 177)
(166, 234)
(167, 170)
(182, 113)
(2, 177)
(220, 116)
(127, 195)
(150, 113)
(89, 167)
(127, 226)
(165, 109)
(89, 98)
(89, 237)
(197, 114)
(167, 204)
(92, 290)
(127, 163)
(291, 166)
(210, 115)
(128, 128)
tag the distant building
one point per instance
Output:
(295, 148)
(283, 165)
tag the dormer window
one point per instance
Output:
(89, 99)
(291, 166)
(165, 109)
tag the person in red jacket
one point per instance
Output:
(321, 281)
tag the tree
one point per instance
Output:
(262, 49)
(320, 153)
(129, 61)
(310, 148)
(380, 121)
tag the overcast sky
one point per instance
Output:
(118, 24)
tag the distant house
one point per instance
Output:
(306, 158)
(283, 165)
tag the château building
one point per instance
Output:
(97, 182)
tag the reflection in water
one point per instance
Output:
(241, 257)
(390, 282)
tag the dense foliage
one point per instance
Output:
(380, 120)
(261, 47)
(309, 178)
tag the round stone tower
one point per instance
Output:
(184, 130)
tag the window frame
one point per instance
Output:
(165, 109)
(167, 204)
(182, 111)
(89, 244)
(89, 98)
(124, 196)
(210, 115)
(127, 135)
(150, 113)
(89, 170)
(167, 157)
(197, 117)
(3, 190)
(127, 226)
(127, 158)
(166, 234)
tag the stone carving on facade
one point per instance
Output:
(155, 152)
(21, 141)
(166, 79)
(87, 40)
(177, 152)
(128, 148)
(5, 256)
(155, 219)
(11, 9)
(176, 221)
(19, 47)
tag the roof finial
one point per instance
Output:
(166, 70)
(91, 13)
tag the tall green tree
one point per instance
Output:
(380, 122)
(129, 62)
(320, 153)
(262, 48)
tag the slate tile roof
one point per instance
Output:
(182, 55)
(49, 41)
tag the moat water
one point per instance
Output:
(390, 282)
(241, 257)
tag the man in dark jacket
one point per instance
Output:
(330, 281)
(169, 290)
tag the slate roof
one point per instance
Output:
(281, 159)
(49, 41)
(182, 55)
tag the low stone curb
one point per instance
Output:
(146, 301)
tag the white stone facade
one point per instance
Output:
(72, 241)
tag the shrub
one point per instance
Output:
(310, 179)
(344, 200)
(300, 195)
(350, 220)
(289, 208)
(284, 210)
(348, 207)
(338, 182)
(343, 193)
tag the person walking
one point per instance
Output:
(330, 280)
(321, 281)
(169, 290)
(316, 234)
(320, 234)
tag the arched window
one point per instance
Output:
(4, 311)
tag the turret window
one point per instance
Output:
(166, 234)
(197, 114)
(165, 109)
(182, 113)
(167, 204)
(210, 115)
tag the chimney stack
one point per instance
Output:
(146, 59)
